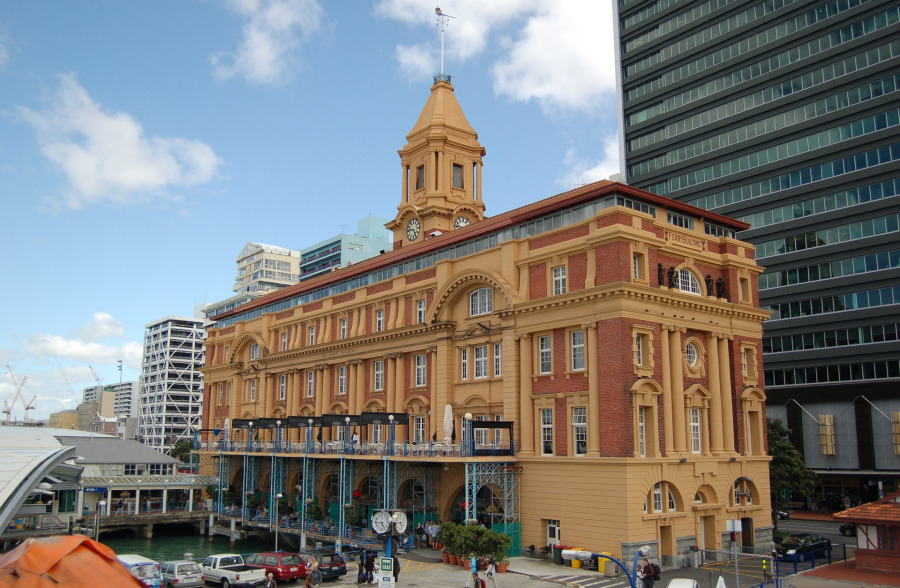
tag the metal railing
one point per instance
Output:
(404, 449)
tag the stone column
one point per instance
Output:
(327, 376)
(667, 390)
(725, 384)
(390, 377)
(399, 383)
(267, 394)
(715, 395)
(405, 180)
(526, 407)
(677, 371)
(320, 390)
(360, 386)
(592, 355)
(351, 386)
(437, 411)
(479, 167)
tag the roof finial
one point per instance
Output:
(442, 22)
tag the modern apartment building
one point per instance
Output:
(784, 114)
(265, 268)
(598, 342)
(171, 399)
(370, 239)
(124, 398)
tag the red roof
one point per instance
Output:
(883, 511)
(488, 225)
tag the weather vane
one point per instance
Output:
(442, 22)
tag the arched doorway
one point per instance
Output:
(488, 509)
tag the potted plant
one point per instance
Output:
(314, 512)
(467, 541)
(445, 536)
(497, 546)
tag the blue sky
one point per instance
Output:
(144, 142)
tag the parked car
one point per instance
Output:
(848, 530)
(780, 514)
(803, 545)
(331, 564)
(283, 566)
(229, 569)
(180, 573)
(683, 583)
(144, 569)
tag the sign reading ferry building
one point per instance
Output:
(602, 344)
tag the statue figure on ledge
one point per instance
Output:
(671, 276)
(660, 274)
(709, 285)
(720, 288)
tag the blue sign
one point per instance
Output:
(92, 489)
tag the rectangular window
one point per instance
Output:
(420, 312)
(343, 328)
(498, 433)
(312, 335)
(546, 431)
(420, 177)
(284, 341)
(637, 266)
(577, 351)
(826, 434)
(420, 370)
(498, 360)
(579, 429)
(377, 435)
(545, 355)
(457, 176)
(695, 430)
(642, 431)
(282, 387)
(342, 379)
(559, 280)
(379, 375)
(252, 390)
(254, 351)
(221, 391)
(379, 321)
(480, 434)
(481, 361)
(680, 220)
(419, 429)
(310, 384)
(463, 364)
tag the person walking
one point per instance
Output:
(473, 572)
(396, 568)
(270, 581)
(647, 574)
(491, 572)
(315, 576)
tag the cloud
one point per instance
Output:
(107, 158)
(586, 171)
(102, 326)
(559, 54)
(272, 34)
(416, 61)
(90, 352)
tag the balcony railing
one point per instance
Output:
(404, 449)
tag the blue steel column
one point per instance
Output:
(471, 490)
(389, 485)
(345, 492)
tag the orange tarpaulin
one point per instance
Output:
(65, 560)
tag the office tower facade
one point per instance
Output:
(784, 114)
(344, 249)
(171, 399)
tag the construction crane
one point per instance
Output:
(7, 406)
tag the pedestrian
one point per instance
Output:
(473, 572)
(147, 504)
(370, 568)
(491, 571)
(420, 535)
(270, 581)
(647, 574)
(120, 507)
(315, 576)
(396, 561)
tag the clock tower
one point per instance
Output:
(441, 171)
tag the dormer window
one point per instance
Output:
(457, 176)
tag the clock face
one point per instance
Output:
(381, 521)
(461, 221)
(412, 229)
(400, 521)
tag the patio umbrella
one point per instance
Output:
(448, 423)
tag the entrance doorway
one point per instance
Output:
(553, 537)
(747, 534)
(707, 532)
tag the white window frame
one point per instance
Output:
(696, 430)
(343, 328)
(639, 348)
(688, 282)
(657, 498)
(221, 394)
(282, 387)
(379, 320)
(464, 363)
(578, 347)
(342, 380)
(480, 434)
(498, 433)
(378, 370)
(481, 301)
(691, 353)
(480, 357)
(252, 390)
(310, 383)
(498, 360)
(642, 431)
(420, 370)
(418, 429)
(579, 429)
(559, 280)
(284, 341)
(545, 354)
(312, 335)
(254, 351)
(546, 431)
(420, 311)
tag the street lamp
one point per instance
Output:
(469, 434)
(309, 445)
(100, 505)
(277, 498)
(250, 436)
(390, 434)
(347, 435)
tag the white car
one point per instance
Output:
(682, 583)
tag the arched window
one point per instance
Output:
(481, 301)
(254, 351)
(656, 499)
(688, 282)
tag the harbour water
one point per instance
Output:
(173, 541)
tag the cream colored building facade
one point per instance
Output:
(612, 335)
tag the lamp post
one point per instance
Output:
(278, 435)
(277, 498)
(390, 434)
(469, 434)
(100, 505)
(250, 436)
(309, 423)
(347, 444)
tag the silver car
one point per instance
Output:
(177, 574)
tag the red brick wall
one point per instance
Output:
(284, 314)
(346, 297)
(613, 263)
(226, 331)
(537, 281)
(573, 233)
(422, 275)
(382, 287)
(616, 378)
(577, 271)
(313, 306)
